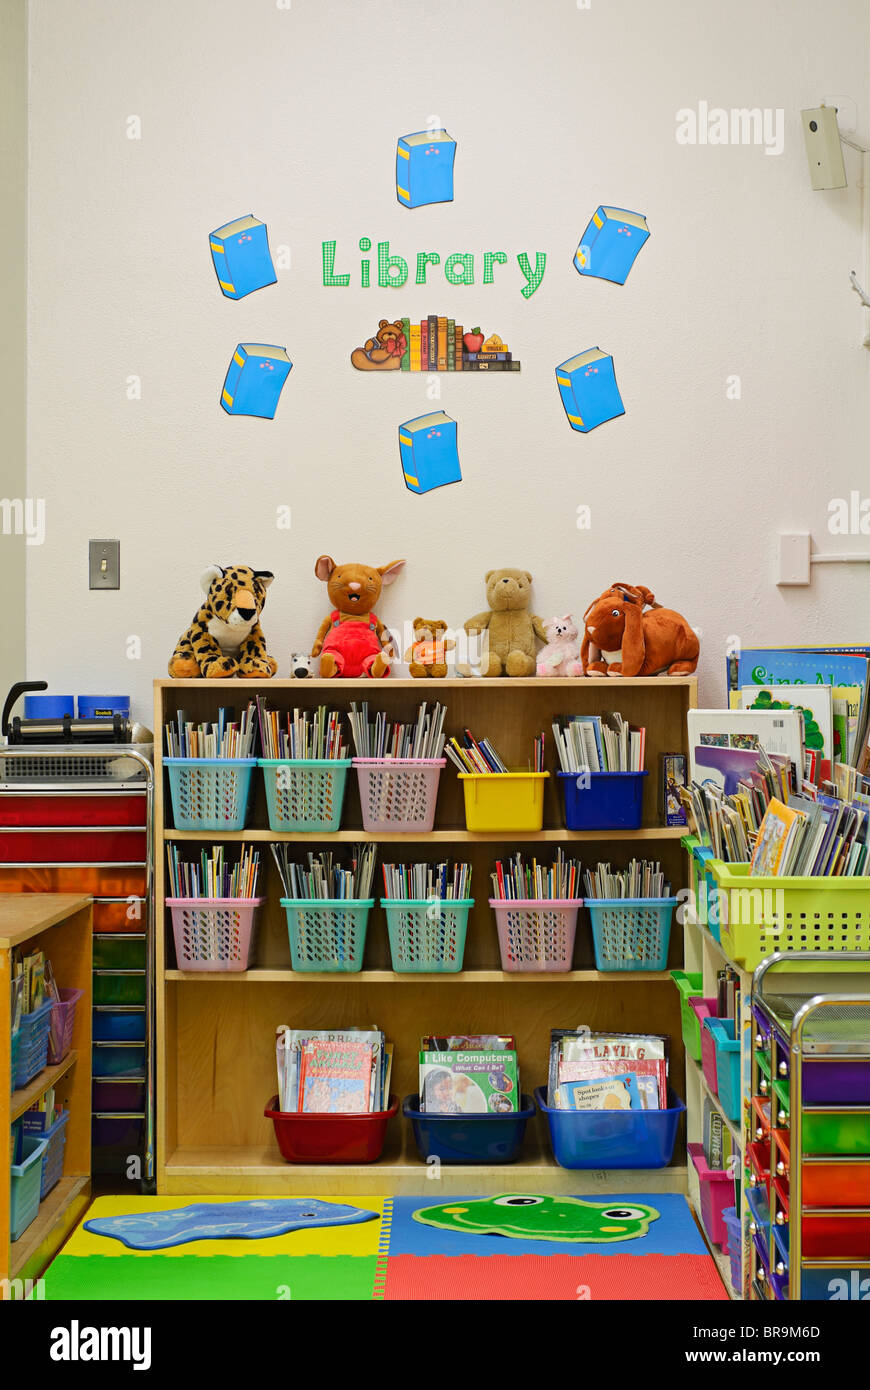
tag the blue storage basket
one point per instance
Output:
(210, 793)
(327, 934)
(26, 1185)
(33, 1123)
(305, 794)
(613, 1138)
(469, 1138)
(631, 933)
(727, 1047)
(603, 800)
(427, 934)
(30, 1045)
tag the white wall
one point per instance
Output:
(294, 114)
(13, 351)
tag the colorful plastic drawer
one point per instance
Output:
(836, 1182)
(56, 846)
(781, 1153)
(727, 1054)
(115, 1137)
(758, 1208)
(781, 1108)
(836, 1132)
(118, 1059)
(716, 1189)
(760, 1257)
(759, 1161)
(825, 1236)
(119, 914)
(760, 1118)
(836, 1081)
(98, 880)
(762, 1061)
(78, 809)
(690, 987)
(118, 1093)
(835, 1284)
(119, 951)
(780, 1201)
(780, 1250)
(117, 987)
(120, 1024)
(762, 1026)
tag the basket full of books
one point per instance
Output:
(631, 912)
(398, 768)
(327, 903)
(333, 1103)
(607, 1102)
(470, 1107)
(214, 907)
(535, 909)
(305, 767)
(210, 768)
(427, 907)
(498, 797)
(602, 774)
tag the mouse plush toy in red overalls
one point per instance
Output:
(353, 641)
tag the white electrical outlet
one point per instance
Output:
(793, 558)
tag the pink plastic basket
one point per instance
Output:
(213, 933)
(706, 1008)
(63, 1017)
(536, 935)
(398, 794)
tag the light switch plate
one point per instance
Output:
(104, 565)
(793, 559)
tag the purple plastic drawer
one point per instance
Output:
(760, 1265)
(836, 1083)
(762, 1026)
(118, 1095)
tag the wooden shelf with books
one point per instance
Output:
(215, 1044)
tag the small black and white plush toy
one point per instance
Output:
(301, 666)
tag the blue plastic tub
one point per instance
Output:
(103, 706)
(26, 1185)
(119, 1025)
(210, 793)
(469, 1138)
(49, 706)
(631, 933)
(603, 800)
(30, 1045)
(734, 1242)
(727, 1048)
(613, 1139)
(33, 1123)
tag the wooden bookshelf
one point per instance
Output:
(215, 1032)
(61, 925)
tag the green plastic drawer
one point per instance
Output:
(119, 987)
(116, 951)
(836, 1132)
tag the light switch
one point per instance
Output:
(104, 564)
(793, 560)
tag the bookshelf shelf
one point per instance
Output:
(215, 1044)
(49, 1076)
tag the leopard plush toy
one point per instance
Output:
(224, 638)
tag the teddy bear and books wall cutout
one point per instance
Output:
(435, 344)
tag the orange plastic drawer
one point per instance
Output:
(101, 880)
(119, 915)
(77, 808)
(760, 1117)
(66, 846)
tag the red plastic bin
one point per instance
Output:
(26, 845)
(111, 809)
(706, 1008)
(312, 1138)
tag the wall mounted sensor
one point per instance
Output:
(824, 151)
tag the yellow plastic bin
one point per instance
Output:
(503, 800)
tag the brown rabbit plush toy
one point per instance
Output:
(353, 641)
(621, 639)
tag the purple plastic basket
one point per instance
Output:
(63, 1017)
(734, 1246)
(536, 935)
(398, 795)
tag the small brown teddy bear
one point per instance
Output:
(383, 352)
(428, 655)
(511, 629)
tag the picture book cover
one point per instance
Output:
(424, 168)
(722, 743)
(609, 246)
(254, 380)
(587, 386)
(619, 1092)
(796, 666)
(816, 703)
(335, 1078)
(673, 778)
(428, 446)
(241, 256)
(468, 1083)
(774, 837)
(650, 1078)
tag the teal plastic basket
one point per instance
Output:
(25, 1185)
(305, 794)
(631, 933)
(210, 793)
(427, 934)
(327, 934)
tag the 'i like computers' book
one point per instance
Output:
(242, 260)
(587, 385)
(254, 379)
(424, 168)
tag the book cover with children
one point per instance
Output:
(469, 1083)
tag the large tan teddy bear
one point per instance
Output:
(512, 630)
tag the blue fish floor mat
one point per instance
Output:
(254, 1220)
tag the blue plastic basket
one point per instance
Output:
(210, 793)
(30, 1045)
(631, 933)
(33, 1123)
(727, 1047)
(603, 800)
(427, 934)
(613, 1138)
(26, 1185)
(327, 934)
(734, 1227)
(305, 794)
(469, 1138)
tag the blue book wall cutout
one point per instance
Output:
(424, 168)
(609, 246)
(429, 450)
(241, 255)
(254, 380)
(587, 385)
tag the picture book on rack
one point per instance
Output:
(629, 1069)
(469, 1083)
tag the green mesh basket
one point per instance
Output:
(327, 934)
(427, 934)
(305, 794)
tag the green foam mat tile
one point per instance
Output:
(256, 1277)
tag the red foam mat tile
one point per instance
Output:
(626, 1278)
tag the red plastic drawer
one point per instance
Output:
(120, 915)
(56, 846)
(101, 880)
(73, 809)
(844, 1237)
(759, 1159)
(780, 1192)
